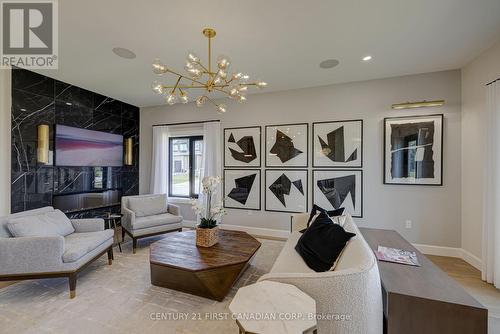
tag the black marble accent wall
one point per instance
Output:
(37, 99)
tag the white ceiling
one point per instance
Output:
(279, 41)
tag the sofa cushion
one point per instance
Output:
(148, 205)
(357, 254)
(317, 210)
(158, 220)
(32, 226)
(77, 245)
(45, 224)
(4, 231)
(322, 243)
(289, 261)
(62, 222)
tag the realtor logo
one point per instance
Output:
(29, 34)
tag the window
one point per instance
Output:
(185, 158)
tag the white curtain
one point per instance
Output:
(159, 163)
(491, 222)
(212, 155)
(212, 152)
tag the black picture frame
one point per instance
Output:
(246, 171)
(314, 171)
(305, 187)
(339, 166)
(284, 165)
(441, 155)
(257, 149)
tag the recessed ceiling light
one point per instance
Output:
(367, 58)
(124, 53)
(69, 103)
(329, 63)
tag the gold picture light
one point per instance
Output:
(419, 104)
(129, 157)
(42, 149)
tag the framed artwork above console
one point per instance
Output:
(413, 150)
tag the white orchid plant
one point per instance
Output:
(206, 209)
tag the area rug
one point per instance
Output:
(121, 299)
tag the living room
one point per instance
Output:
(345, 181)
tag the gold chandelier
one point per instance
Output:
(206, 78)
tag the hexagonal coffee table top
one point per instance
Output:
(179, 250)
(177, 263)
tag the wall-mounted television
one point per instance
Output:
(81, 147)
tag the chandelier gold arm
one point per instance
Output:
(182, 87)
(184, 77)
(176, 85)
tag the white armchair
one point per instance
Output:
(148, 215)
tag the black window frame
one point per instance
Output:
(191, 149)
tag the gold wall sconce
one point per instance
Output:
(129, 156)
(419, 104)
(42, 149)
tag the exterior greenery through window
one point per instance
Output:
(184, 163)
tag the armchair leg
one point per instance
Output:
(72, 285)
(134, 245)
(110, 256)
(123, 234)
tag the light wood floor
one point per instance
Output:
(470, 279)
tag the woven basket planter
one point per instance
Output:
(207, 237)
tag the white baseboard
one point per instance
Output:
(439, 250)
(425, 249)
(472, 259)
(258, 231)
(451, 252)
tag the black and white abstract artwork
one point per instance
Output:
(338, 144)
(341, 188)
(242, 189)
(287, 145)
(414, 150)
(242, 147)
(286, 190)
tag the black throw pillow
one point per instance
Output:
(316, 208)
(336, 212)
(321, 243)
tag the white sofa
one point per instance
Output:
(45, 250)
(348, 299)
(148, 215)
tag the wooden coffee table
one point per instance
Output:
(177, 263)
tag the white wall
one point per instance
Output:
(435, 211)
(5, 106)
(475, 76)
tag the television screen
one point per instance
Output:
(82, 147)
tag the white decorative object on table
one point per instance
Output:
(207, 230)
(274, 308)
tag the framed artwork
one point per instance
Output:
(287, 145)
(242, 147)
(242, 189)
(413, 150)
(339, 188)
(286, 190)
(338, 144)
